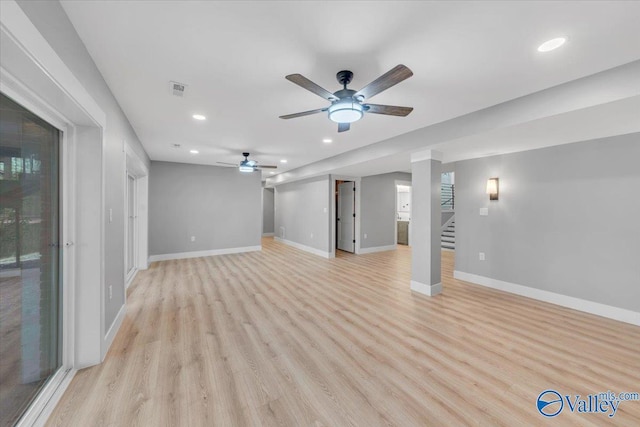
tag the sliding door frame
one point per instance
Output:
(33, 75)
(66, 221)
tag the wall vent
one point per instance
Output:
(177, 89)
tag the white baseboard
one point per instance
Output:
(304, 247)
(198, 254)
(268, 234)
(591, 307)
(113, 330)
(423, 288)
(377, 249)
(131, 279)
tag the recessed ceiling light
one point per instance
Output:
(199, 117)
(272, 173)
(194, 151)
(327, 140)
(552, 44)
(283, 161)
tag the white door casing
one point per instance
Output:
(346, 216)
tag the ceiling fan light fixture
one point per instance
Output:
(345, 111)
(246, 168)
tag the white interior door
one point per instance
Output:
(131, 224)
(346, 216)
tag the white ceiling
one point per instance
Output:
(234, 55)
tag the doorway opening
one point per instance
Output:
(403, 214)
(136, 194)
(131, 228)
(345, 226)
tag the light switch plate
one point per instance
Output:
(481, 256)
(484, 211)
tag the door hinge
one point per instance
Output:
(354, 188)
(354, 215)
(354, 241)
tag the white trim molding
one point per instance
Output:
(199, 254)
(333, 213)
(268, 234)
(426, 155)
(423, 288)
(46, 401)
(131, 279)
(21, 30)
(113, 329)
(304, 247)
(377, 249)
(608, 311)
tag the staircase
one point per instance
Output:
(448, 236)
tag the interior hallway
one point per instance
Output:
(283, 337)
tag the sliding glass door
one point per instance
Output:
(30, 257)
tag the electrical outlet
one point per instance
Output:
(110, 291)
(365, 235)
(193, 238)
(324, 210)
(481, 256)
(484, 211)
(312, 235)
(110, 215)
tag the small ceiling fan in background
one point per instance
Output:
(248, 165)
(347, 105)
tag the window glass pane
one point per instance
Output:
(29, 257)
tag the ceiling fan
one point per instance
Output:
(347, 105)
(248, 165)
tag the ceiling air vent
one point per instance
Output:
(178, 89)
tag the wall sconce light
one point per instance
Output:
(492, 188)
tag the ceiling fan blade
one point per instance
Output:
(343, 127)
(235, 165)
(389, 110)
(307, 84)
(304, 113)
(385, 81)
(266, 167)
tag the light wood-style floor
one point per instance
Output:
(283, 337)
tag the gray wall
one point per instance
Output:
(567, 221)
(54, 25)
(219, 206)
(267, 210)
(302, 208)
(378, 208)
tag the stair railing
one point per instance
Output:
(447, 196)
